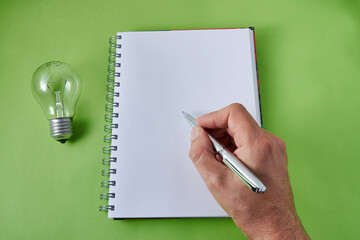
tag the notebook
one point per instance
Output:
(153, 77)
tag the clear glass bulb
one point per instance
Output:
(57, 87)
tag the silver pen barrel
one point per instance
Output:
(232, 161)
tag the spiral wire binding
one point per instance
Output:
(109, 116)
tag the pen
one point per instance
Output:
(232, 161)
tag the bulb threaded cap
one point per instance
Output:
(61, 129)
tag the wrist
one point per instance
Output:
(275, 225)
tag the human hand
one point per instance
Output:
(270, 215)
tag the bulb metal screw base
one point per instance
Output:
(61, 129)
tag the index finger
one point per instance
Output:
(235, 118)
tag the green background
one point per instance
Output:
(308, 60)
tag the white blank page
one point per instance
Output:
(162, 74)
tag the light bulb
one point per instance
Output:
(56, 87)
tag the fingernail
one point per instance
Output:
(195, 133)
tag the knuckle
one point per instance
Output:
(270, 147)
(237, 106)
(281, 144)
(278, 143)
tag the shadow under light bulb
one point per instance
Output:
(57, 87)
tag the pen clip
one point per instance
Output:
(249, 183)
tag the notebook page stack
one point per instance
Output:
(159, 75)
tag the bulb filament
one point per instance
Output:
(59, 106)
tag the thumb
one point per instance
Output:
(204, 158)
